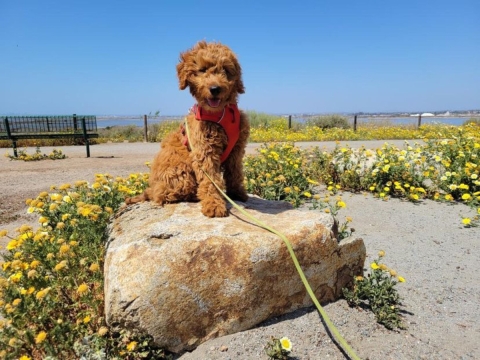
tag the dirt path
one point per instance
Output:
(425, 243)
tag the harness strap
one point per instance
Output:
(228, 118)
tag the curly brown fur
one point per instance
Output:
(214, 77)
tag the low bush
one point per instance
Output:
(329, 122)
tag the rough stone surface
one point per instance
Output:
(184, 278)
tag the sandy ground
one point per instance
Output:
(425, 243)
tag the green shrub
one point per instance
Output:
(261, 120)
(377, 292)
(329, 122)
(473, 121)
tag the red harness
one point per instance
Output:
(228, 118)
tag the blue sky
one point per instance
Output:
(119, 57)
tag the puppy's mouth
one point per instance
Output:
(214, 102)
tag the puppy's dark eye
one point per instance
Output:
(228, 72)
(203, 69)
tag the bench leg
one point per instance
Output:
(87, 143)
(14, 143)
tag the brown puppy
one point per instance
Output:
(218, 134)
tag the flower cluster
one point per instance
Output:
(23, 155)
(51, 288)
(279, 172)
(377, 291)
(277, 130)
(444, 170)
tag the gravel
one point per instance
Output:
(425, 243)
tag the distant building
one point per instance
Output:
(427, 114)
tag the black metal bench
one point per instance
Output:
(16, 128)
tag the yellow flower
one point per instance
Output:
(86, 319)
(94, 267)
(341, 204)
(466, 196)
(286, 344)
(131, 346)
(41, 294)
(16, 277)
(381, 253)
(64, 186)
(12, 244)
(61, 265)
(393, 273)
(3, 233)
(82, 288)
(307, 194)
(16, 302)
(374, 266)
(287, 190)
(42, 335)
(466, 221)
(401, 279)
(359, 278)
(383, 267)
(24, 357)
(102, 331)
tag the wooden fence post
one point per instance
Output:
(355, 123)
(289, 121)
(145, 129)
(419, 121)
(85, 136)
(75, 126)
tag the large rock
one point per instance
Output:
(184, 278)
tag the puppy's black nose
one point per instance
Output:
(215, 90)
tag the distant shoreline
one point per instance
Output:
(106, 122)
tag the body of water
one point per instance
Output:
(456, 121)
(104, 121)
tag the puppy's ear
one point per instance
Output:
(182, 70)
(186, 67)
(240, 87)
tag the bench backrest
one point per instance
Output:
(48, 124)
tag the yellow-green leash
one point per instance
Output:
(333, 330)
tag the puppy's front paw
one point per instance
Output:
(214, 209)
